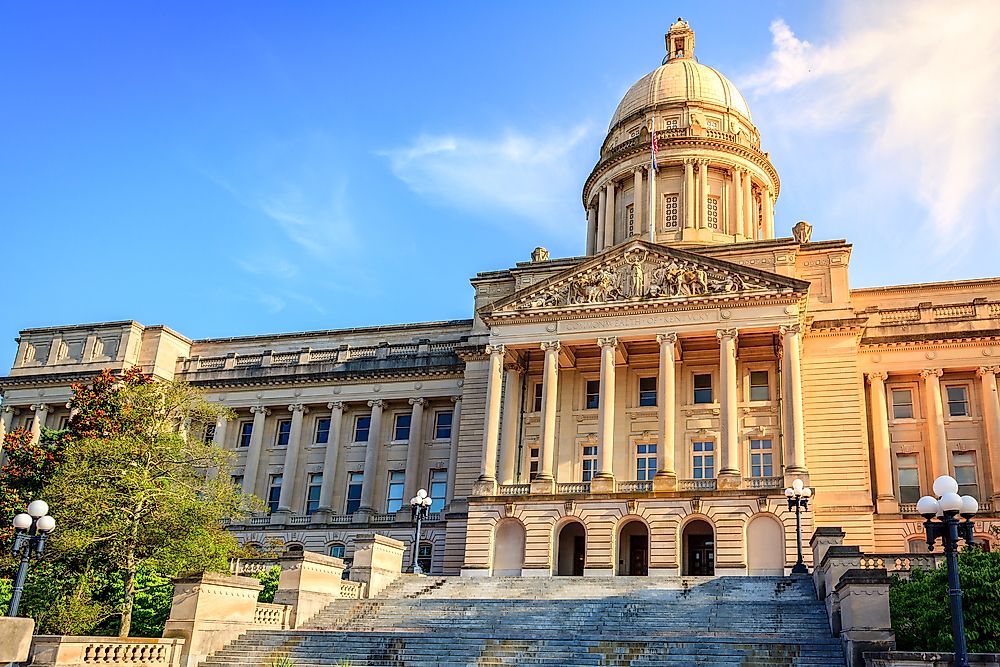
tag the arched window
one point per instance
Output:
(337, 549)
(294, 549)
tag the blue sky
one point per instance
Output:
(233, 168)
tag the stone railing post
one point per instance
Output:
(15, 639)
(308, 582)
(863, 598)
(821, 540)
(378, 561)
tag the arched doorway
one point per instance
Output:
(633, 549)
(508, 548)
(765, 546)
(571, 549)
(699, 549)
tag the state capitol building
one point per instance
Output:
(637, 410)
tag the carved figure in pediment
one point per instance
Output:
(545, 299)
(594, 288)
(634, 276)
(728, 283)
(691, 281)
(664, 280)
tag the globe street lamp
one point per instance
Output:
(31, 529)
(798, 495)
(946, 508)
(420, 505)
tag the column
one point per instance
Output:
(738, 207)
(290, 469)
(748, 222)
(609, 216)
(591, 230)
(604, 480)
(767, 202)
(218, 438)
(602, 205)
(991, 412)
(252, 463)
(511, 422)
(795, 442)
(689, 190)
(666, 476)
(486, 486)
(371, 456)
(330, 458)
(456, 420)
(729, 436)
(41, 413)
(544, 481)
(6, 422)
(413, 446)
(637, 203)
(935, 421)
(702, 194)
(880, 440)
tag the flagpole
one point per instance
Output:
(652, 181)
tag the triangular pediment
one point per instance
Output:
(640, 271)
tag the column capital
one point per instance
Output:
(335, 405)
(421, 401)
(638, 170)
(492, 349)
(514, 367)
(722, 334)
(41, 407)
(260, 409)
(611, 341)
(666, 339)
(877, 376)
(298, 407)
(790, 329)
(931, 372)
(10, 408)
(551, 346)
(988, 370)
(377, 403)
(738, 169)
(703, 161)
(456, 399)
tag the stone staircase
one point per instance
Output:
(612, 621)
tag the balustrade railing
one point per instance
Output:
(350, 590)
(573, 487)
(763, 482)
(899, 316)
(383, 518)
(954, 312)
(514, 489)
(635, 486)
(251, 566)
(900, 562)
(260, 520)
(273, 615)
(317, 356)
(130, 651)
(696, 484)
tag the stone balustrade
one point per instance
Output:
(927, 659)
(71, 651)
(640, 486)
(901, 563)
(272, 615)
(928, 313)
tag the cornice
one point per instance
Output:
(870, 345)
(327, 378)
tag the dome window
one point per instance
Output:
(713, 212)
(670, 220)
(671, 123)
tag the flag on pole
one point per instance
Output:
(654, 148)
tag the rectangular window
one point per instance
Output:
(355, 481)
(670, 124)
(593, 397)
(670, 219)
(958, 400)
(209, 435)
(629, 220)
(237, 480)
(902, 404)
(401, 429)
(394, 496)
(322, 431)
(713, 124)
(908, 474)
(361, 426)
(312, 492)
(589, 462)
(273, 493)
(532, 463)
(703, 459)
(645, 461)
(438, 488)
(281, 436)
(28, 423)
(647, 391)
(713, 213)
(442, 425)
(634, 132)
(246, 432)
(965, 473)
(760, 389)
(703, 388)
(425, 556)
(537, 402)
(761, 458)
(64, 424)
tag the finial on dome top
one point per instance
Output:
(680, 40)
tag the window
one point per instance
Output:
(28, 423)
(361, 426)
(401, 429)
(442, 425)
(713, 124)
(670, 124)
(703, 459)
(274, 493)
(355, 480)
(647, 391)
(237, 480)
(645, 461)
(593, 397)
(902, 404)
(589, 462)
(713, 213)
(908, 474)
(438, 488)
(761, 458)
(670, 219)
(208, 436)
(312, 492)
(337, 550)
(536, 405)
(634, 132)
(394, 497)
(284, 429)
(958, 400)
(322, 431)
(532, 463)
(760, 390)
(703, 388)
(629, 220)
(246, 432)
(425, 556)
(965, 473)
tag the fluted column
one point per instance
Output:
(795, 442)
(935, 421)
(991, 412)
(290, 469)
(41, 415)
(738, 207)
(690, 213)
(602, 205)
(666, 475)
(550, 383)
(609, 213)
(591, 230)
(218, 438)
(252, 464)
(491, 433)
(604, 480)
(456, 421)
(6, 425)
(767, 201)
(413, 447)
(330, 458)
(729, 432)
(511, 422)
(637, 203)
(371, 456)
(748, 220)
(880, 439)
(702, 194)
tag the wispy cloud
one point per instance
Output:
(919, 80)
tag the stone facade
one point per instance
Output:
(639, 409)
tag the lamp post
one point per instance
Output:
(31, 529)
(798, 495)
(420, 505)
(946, 508)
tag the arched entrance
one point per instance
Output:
(699, 549)
(571, 549)
(508, 548)
(765, 546)
(633, 549)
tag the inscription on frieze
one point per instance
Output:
(639, 321)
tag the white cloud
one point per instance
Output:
(535, 178)
(919, 79)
